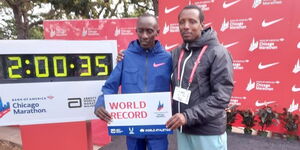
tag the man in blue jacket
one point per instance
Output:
(146, 68)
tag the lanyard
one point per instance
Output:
(196, 63)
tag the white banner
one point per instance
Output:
(142, 113)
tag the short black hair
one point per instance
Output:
(201, 15)
(148, 15)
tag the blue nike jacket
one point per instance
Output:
(140, 71)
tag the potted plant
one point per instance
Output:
(266, 118)
(231, 116)
(290, 122)
(248, 120)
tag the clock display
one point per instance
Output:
(54, 67)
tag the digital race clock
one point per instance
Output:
(19, 63)
(52, 81)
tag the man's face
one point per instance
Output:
(147, 30)
(189, 25)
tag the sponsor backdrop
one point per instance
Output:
(263, 38)
(122, 30)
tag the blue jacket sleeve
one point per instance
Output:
(111, 85)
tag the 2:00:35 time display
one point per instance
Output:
(55, 66)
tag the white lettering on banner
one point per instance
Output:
(297, 67)
(235, 24)
(117, 31)
(261, 66)
(235, 100)
(90, 31)
(168, 10)
(204, 4)
(293, 107)
(261, 85)
(266, 24)
(265, 44)
(256, 3)
(238, 64)
(298, 45)
(264, 103)
(298, 26)
(56, 30)
(229, 4)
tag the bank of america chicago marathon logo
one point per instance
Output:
(173, 27)
(204, 4)
(296, 68)
(261, 85)
(4, 108)
(265, 44)
(239, 64)
(29, 105)
(124, 31)
(79, 102)
(294, 106)
(257, 3)
(235, 24)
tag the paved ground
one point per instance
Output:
(235, 141)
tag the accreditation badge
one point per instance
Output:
(182, 95)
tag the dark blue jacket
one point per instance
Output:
(140, 71)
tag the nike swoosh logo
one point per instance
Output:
(260, 66)
(158, 65)
(226, 5)
(170, 9)
(266, 24)
(298, 45)
(231, 44)
(295, 89)
(170, 47)
(258, 104)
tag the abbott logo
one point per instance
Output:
(166, 28)
(297, 67)
(293, 107)
(256, 3)
(74, 102)
(250, 86)
(225, 25)
(253, 45)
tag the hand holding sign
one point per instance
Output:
(103, 115)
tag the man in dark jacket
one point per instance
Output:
(146, 68)
(202, 82)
